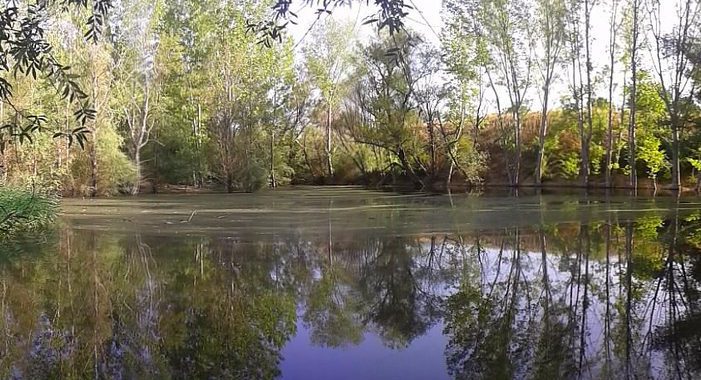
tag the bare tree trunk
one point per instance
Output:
(672, 92)
(156, 172)
(229, 183)
(273, 182)
(676, 175)
(329, 164)
(608, 182)
(584, 150)
(432, 144)
(198, 147)
(612, 62)
(93, 148)
(449, 179)
(587, 42)
(541, 137)
(633, 181)
(137, 163)
(93, 169)
(140, 134)
(578, 92)
(517, 137)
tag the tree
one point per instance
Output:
(551, 26)
(328, 59)
(385, 93)
(138, 76)
(181, 150)
(24, 49)
(430, 96)
(466, 59)
(634, 45)
(507, 28)
(673, 66)
(582, 90)
(243, 77)
(613, 34)
(650, 127)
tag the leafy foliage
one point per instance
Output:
(25, 211)
(390, 16)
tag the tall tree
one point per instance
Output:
(613, 34)
(673, 66)
(507, 27)
(431, 95)
(633, 49)
(138, 81)
(551, 26)
(328, 58)
(586, 149)
(385, 93)
(580, 39)
(466, 59)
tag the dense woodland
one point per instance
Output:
(189, 93)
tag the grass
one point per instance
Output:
(25, 211)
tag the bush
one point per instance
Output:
(24, 211)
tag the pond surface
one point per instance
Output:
(339, 283)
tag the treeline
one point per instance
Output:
(187, 93)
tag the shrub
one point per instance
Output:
(24, 211)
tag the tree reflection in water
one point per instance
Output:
(606, 299)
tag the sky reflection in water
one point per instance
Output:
(590, 291)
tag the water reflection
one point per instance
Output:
(608, 299)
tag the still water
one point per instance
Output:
(339, 283)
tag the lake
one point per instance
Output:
(342, 283)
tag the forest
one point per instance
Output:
(189, 94)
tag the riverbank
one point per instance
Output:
(645, 188)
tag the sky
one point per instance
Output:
(426, 19)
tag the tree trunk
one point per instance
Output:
(154, 188)
(541, 138)
(273, 182)
(609, 130)
(590, 126)
(432, 145)
(137, 163)
(449, 179)
(93, 150)
(517, 138)
(407, 167)
(676, 175)
(329, 164)
(93, 168)
(229, 183)
(584, 147)
(633, 180)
